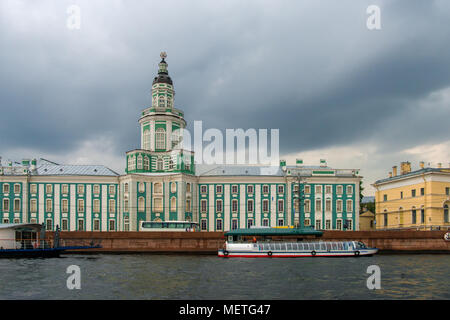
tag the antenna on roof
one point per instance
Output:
(49, 161)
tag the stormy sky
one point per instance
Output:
(359, 98)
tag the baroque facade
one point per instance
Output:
(162, 183)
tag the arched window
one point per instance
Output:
(162, 102)
(146, 163)
(146, 139)
(141, 204)
(446, 213)
(173, 204)
(159, 164)
(160, 139)
(170, 164)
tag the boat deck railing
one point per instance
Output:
(27, 244)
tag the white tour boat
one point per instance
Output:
(235, 246)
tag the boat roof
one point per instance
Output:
(274, 232)
(4, 226)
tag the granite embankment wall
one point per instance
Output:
(209, 242)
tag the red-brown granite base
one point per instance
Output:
(209, 242)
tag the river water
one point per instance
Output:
(148, 276)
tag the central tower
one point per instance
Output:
(161, 131)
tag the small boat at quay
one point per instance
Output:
(28, 240)
(236, 245)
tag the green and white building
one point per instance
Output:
(163, 183)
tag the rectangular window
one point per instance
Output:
(328, 189)
(17, 188)
(318, 224)
(265, 189)
(64, 189)
(413, 217)
(307, 206)
(339, 206)
(158, 204)
(219, 205)
(96, 225)
(234, 224)
(219, 225)
(49, 205)
(203, 205)
(339, 224)
(80, 205)
(33, 206)
(249, 205)
(339, 189)
(280, 222)
(318, 205)
(218, 189)
(422, 191)
(234, 189)
(447, 191)
(307, 189)
(328, 224)
(112, 206)
(328, 205)
(280, 205)
(349, 207)
(234, 205)
(265, 222)
(349, 189)
(5, 188)
(413, 192)
(318, 189)
(6, 205)
(16, 205)
(48, 224)
(349, 224)
(422, 215)
(203, 224)
(48, 188)
(80, 189)
(80, 225)
(203, 189)
(385, 197)
(385, 219)
(307, 222)
(96, 189)
(250, 189)
(401, 194)
(249, 223)
(265, 205)
(280, 189)
(112, 225)
(96, 206)
(33, 189)
(65, 206)
(64, 225)
(112, 191)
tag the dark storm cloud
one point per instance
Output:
(311, 69)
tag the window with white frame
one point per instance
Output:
(141, 204)
(125, 205)
(250, 189)
(5, 188)
(328, 189)
(318, 224)
(48, 225)
(48, 188)
(281, 189)
(307, 205)
(6, 205)
(80, 225)
(141, 187)
(234, 224)
(234, 189)
(96, 225)
(307, 189)
(349, 207)
(80, 205)
(64, 225)
(160, 139)
(203, 224)
(318, 204)
(219, 226)
(125, 187)
(219, 188)
(349, 224)
(249, 205)
(112, 225)
(339, 205)
(327, 224)
(65, 189)
(140, 162)
(249, 223)
(203, 205)
(16, 205)
(188, 187)
(328, 205)
(17, 188)
(349, 189)
(159, 164)
(33, 205)
(318, 189)
(158, 204)
(112, 206)
(49, 205)
(96, 189)
(80, 189)
(265, 222)
(307, 222)
(33, 188)
(339, 190)
(203, 189)
(188, 205)
(265, 205)
(146, 165)
(265, 189)
(126, 224)
(173, 204)
(339, 224)
(280, 205)
(173, 187)
(157, 188)
(146, 139)
(96, 206)
(234, 205)
(219, 205)
(112, 190)
(280, 222)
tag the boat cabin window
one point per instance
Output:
(323, 246)
(340, 246)
(289, 246)
(278, 246)
(360, 245)
(334, 246)
(328, 246)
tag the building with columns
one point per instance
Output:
(162, 183)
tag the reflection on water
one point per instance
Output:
(209, 277)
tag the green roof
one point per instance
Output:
(274, 232)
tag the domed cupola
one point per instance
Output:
(163, 74)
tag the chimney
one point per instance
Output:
(299, 162)
(439, 165)
(394, 171)
(283, 165)
(390, 174)
(405, 167)
(422, 164)
(323, 162)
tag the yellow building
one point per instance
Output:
(413, 199)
